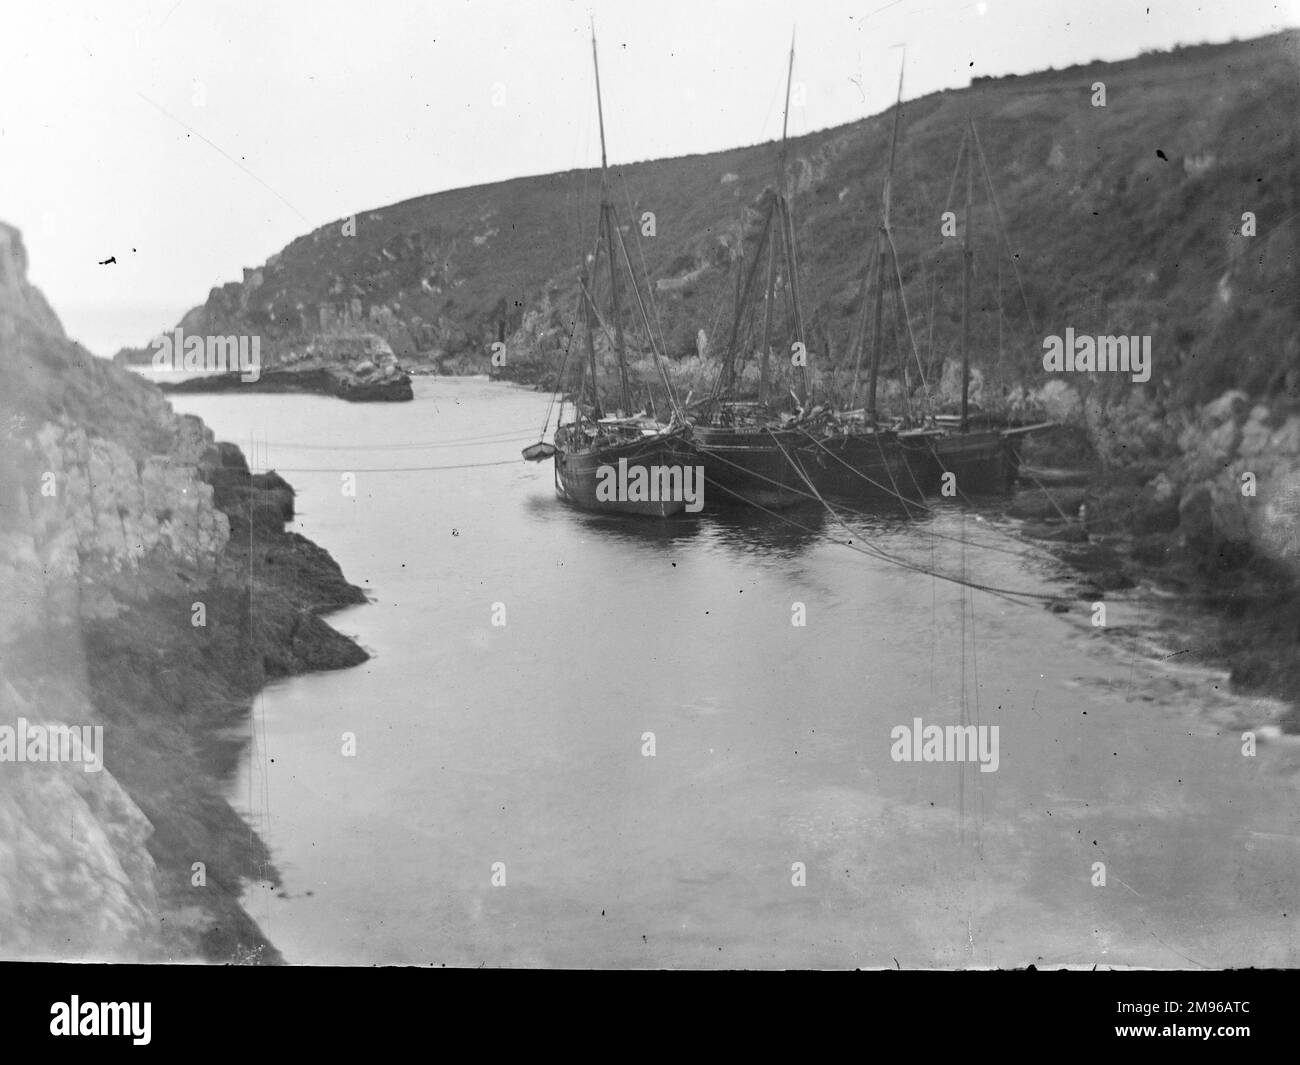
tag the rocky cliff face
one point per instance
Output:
(1239, 470)
(116, 520)
(1202, 499)
(76, 876)
(1222, 478)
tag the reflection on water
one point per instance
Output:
(786, 532)
(736, 529)
(674, 716)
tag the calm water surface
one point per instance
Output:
(522, 744)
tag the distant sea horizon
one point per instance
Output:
(106, 330)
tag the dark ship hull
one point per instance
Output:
(747, 464)
(866, 466)
(580, 456)
(984, 462)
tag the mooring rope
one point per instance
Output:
(391, 469)
(931, 511)
(877, 553)
(1005, 593)
(1050, 498)
(860, 513)
(505, 437)
(875, 484)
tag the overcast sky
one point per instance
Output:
(189, 139)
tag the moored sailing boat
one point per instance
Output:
(618, 465)
(981, 451)
(851, 454)
(744, 444)
(743, 449)
(855, 460)
(623, 462)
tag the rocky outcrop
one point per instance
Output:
(1204, 500)
(384, 385)
(76, 876)
(1239, 474)
(150, 589)
(106, 505)
(1222, 477)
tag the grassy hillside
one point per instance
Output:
(1121, 219)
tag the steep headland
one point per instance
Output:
(1122, 218)
(388, 385)
(151, 590)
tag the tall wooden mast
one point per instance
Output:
(589, 329)
(787, 232)
(765, 352)
(882, 245)
(966, 254)
(608, 222)
(779, 212)
(792, 266)
(775, 212)
(728, 376)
